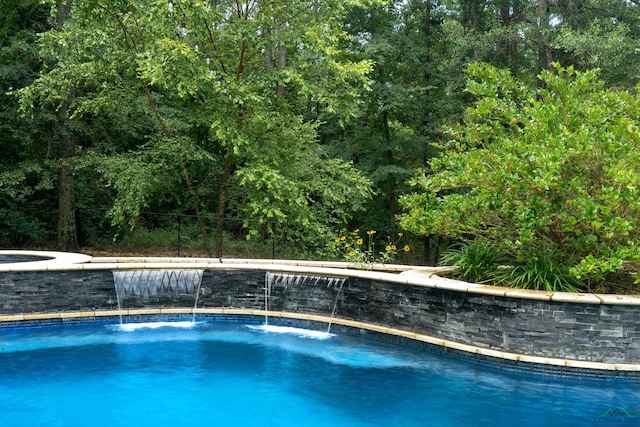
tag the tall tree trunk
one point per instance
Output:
(471, 14)
(281, 63)
(228, 161)
(390, 162)
(67, 236)
(222, 199)
(67, 229)
(63, 9)
(570, 14)
(545, 54)
(509, 46)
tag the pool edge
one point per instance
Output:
(496, 358)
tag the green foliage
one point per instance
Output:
(552, 167)
(475, 261)
(18, 228)
(282, 89)
(528, 268)
(400, 107)
(141, 178)
(213, 95)
(296, 187)
(26, 170)
(605, 45)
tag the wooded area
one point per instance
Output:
(291, 121)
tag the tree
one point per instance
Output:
(26, 179)
(539, 170)
(67, 229)
(401, 110)
(226, 84)
(526, 36)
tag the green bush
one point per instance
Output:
(555, 166)
(531, 268)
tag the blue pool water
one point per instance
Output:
(233, 375)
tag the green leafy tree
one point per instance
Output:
(26, 176)
(400, 110)
(527, 36)
(226, 85)
(533, 171)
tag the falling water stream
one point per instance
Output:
(284, 280)
(143, 287)
(335, 304)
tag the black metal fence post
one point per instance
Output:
(179, 233)
(273, 239)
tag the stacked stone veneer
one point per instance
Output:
(577, 331)
(567, 330)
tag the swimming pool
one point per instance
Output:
(230, 374)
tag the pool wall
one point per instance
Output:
(578, 330)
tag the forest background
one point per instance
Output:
(264, 129)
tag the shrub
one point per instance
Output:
(555, 166)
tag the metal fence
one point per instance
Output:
(170, 234)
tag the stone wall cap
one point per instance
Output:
(50, 260)
(405, 274)
(577, 297)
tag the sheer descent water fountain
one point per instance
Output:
(299, 284)
(138, 288)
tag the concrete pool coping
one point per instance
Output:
(401, 274)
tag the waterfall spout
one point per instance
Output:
(335, 303)
(292, 292)
(143, 288)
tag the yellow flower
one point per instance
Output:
(337, 239)
(352, 254)
(347, 245)
(343, 238)
(356, 231)
(371, 232)
(400, 234)
(388, 248)
(359, 241)
(406, 248)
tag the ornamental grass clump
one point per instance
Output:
(474, 261)
(542, 268)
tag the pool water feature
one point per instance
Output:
(309, 283)
(137, 288)
(232, 375)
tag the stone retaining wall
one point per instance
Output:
(576, 331)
